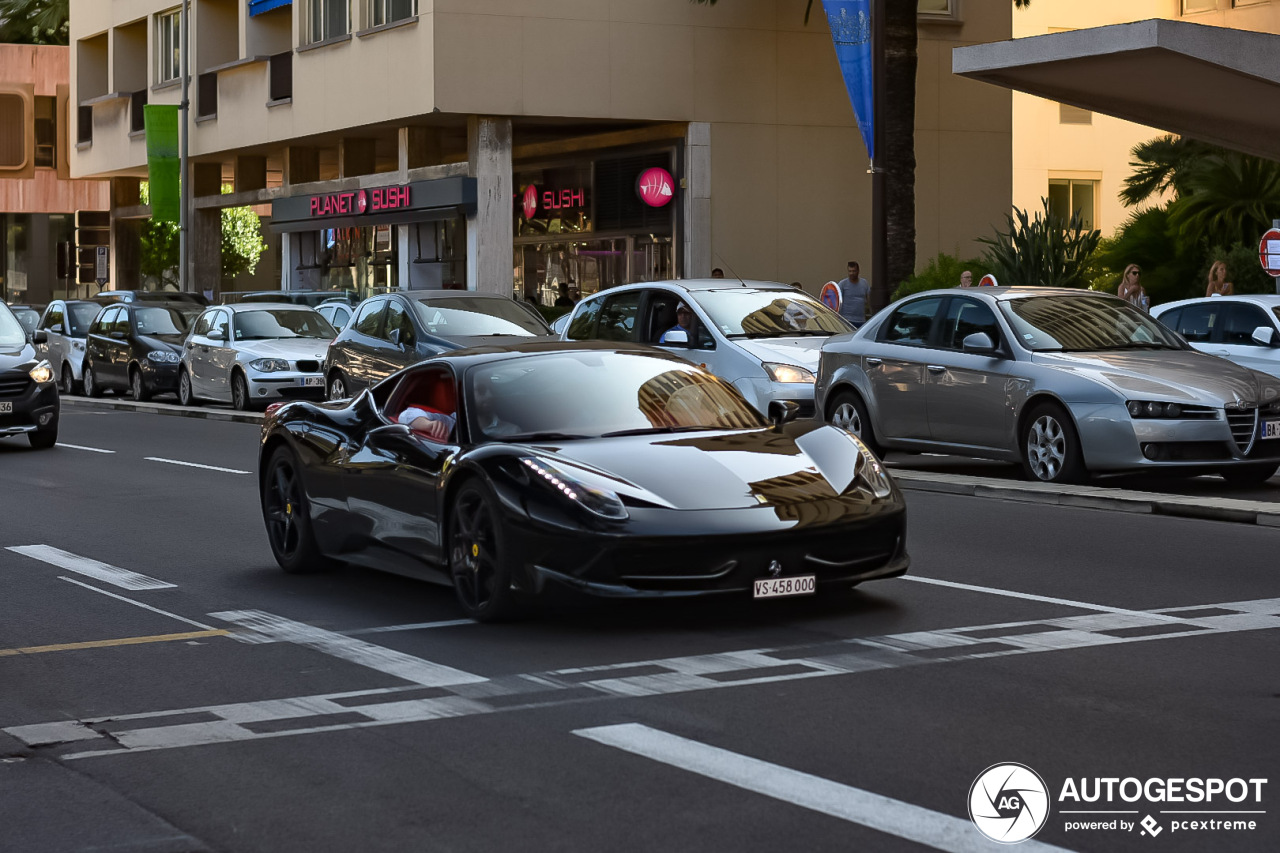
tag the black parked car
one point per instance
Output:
(395, 330)
(109, 297)
(28, 393)
(617, 471)
(137, 346)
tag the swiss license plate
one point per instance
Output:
(313, 382)
(6, 408)
(780, 587)
(1271, 429)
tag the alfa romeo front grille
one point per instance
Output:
(1244, 427)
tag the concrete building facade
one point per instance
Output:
(532, 145)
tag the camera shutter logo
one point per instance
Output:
(1009, 803)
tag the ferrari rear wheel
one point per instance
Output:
(286, 511)
(478, 560)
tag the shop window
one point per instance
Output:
(1190, 7)
(327, 19)
(389, 11)
(1068, 197)
(168, 46)
(13, 113)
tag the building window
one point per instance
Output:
(168, 46)
(939, 10)
(1068, 114)
(46, 132)
(389, 11)
(327, 19)
(13, 123)
(1190, 7)
(1068, 196)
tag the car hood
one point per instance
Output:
(719, 470)
(290, 349)
(800, 351)
(1179, 376)
(164, 343)
(17, 358)
(467, 341)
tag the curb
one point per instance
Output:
(1261, 513)
(163, 409)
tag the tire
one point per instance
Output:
(1051, 447)
(91, 386)
(287, 515)
(136, 386)
(1253, 475)
(847, 411)
(337, 387)
(186, 395)
(478, 559)
(67, 384)
(240, 400)
(43, 439)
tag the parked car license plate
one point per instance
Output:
(1271, 429)
(779, 587)
(6, 408)
(313, 381)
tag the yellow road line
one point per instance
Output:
(123, 641)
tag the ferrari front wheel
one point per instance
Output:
(285, 509)
(478, 559)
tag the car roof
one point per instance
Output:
(450, 294)
(694, 285)
(241, 307)
(1005, 294)
(163, 303)
(465, 358)
(1268, 300)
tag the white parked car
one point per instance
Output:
(337, 311)
(253, 354)
(66, 323)
(1243, 329)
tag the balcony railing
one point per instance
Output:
(282, 76)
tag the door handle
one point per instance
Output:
(874, 362)
(936, 368)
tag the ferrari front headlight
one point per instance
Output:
(597, 500)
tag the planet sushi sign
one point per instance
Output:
(655, 187)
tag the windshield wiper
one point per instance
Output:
(658, 430)
(548, 435)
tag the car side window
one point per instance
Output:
(340, 317)
(103, 323)
(1241, 319)
(53, 316)
(1197, 322)
(618, 317)
(967, 317)
(219, 323)
(1170, 318)
(912, 324)
(398, 320)
(202, 325)
(369, 319)
(583, 326)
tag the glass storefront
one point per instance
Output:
(368, 259)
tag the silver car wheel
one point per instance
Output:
(846, 417)
(337, 389)
(1046, 448)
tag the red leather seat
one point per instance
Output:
(432, 390)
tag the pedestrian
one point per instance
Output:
(966, 279)
(1131, 290)
(717, 273)
(854, 290)
(1218, 284)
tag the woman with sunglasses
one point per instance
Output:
(1131, 290)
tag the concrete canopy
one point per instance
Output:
(1210, 83)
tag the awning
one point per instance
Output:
(1211, 83)
(257, 7)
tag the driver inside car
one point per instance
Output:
(434, 425)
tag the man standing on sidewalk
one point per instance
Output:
(854, 291)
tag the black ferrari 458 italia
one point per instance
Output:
(615, 470)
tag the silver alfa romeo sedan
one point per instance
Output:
(1067, 382)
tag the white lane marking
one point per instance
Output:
(883, 814)
(1027, 596)
(82, 447)
(694, 673)
(113, 575)
(195, 465)
(412, 626)
(271, 628)
(140, 604)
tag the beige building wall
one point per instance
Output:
(1047, 148)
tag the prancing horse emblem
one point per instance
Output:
(775, 568)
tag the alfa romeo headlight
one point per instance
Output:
(599, 501)
(269, 365)
(42, 373)
(788, 373)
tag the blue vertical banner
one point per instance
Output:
(850, 24)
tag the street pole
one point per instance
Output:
(184, 108)
(879, 235)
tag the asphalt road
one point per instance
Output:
(164, 687)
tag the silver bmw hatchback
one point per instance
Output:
(1067, 382)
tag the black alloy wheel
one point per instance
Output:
(1050, 446)
(1252, 475)
(186, 396)
(337, 386)
(240, 392)
(286, 512)
(91, 387)
(136, 386)
(43, 439)
(848, 412)
(477, 559)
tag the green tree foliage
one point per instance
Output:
(242, 244)
(1041, 250)
(942, 271)
(34, 21)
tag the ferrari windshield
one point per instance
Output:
(1084, 324)
(590, 394)
(754, 313)
(274, 323)
(465, 317)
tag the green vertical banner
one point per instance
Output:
(163, 163)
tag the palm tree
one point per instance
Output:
(898, 159)
(34, 21)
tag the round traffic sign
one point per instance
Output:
(1269, 252)
(988, 280)
(830, 295)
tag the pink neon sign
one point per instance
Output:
(655, 187)
(360, 201)
(530, 201)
